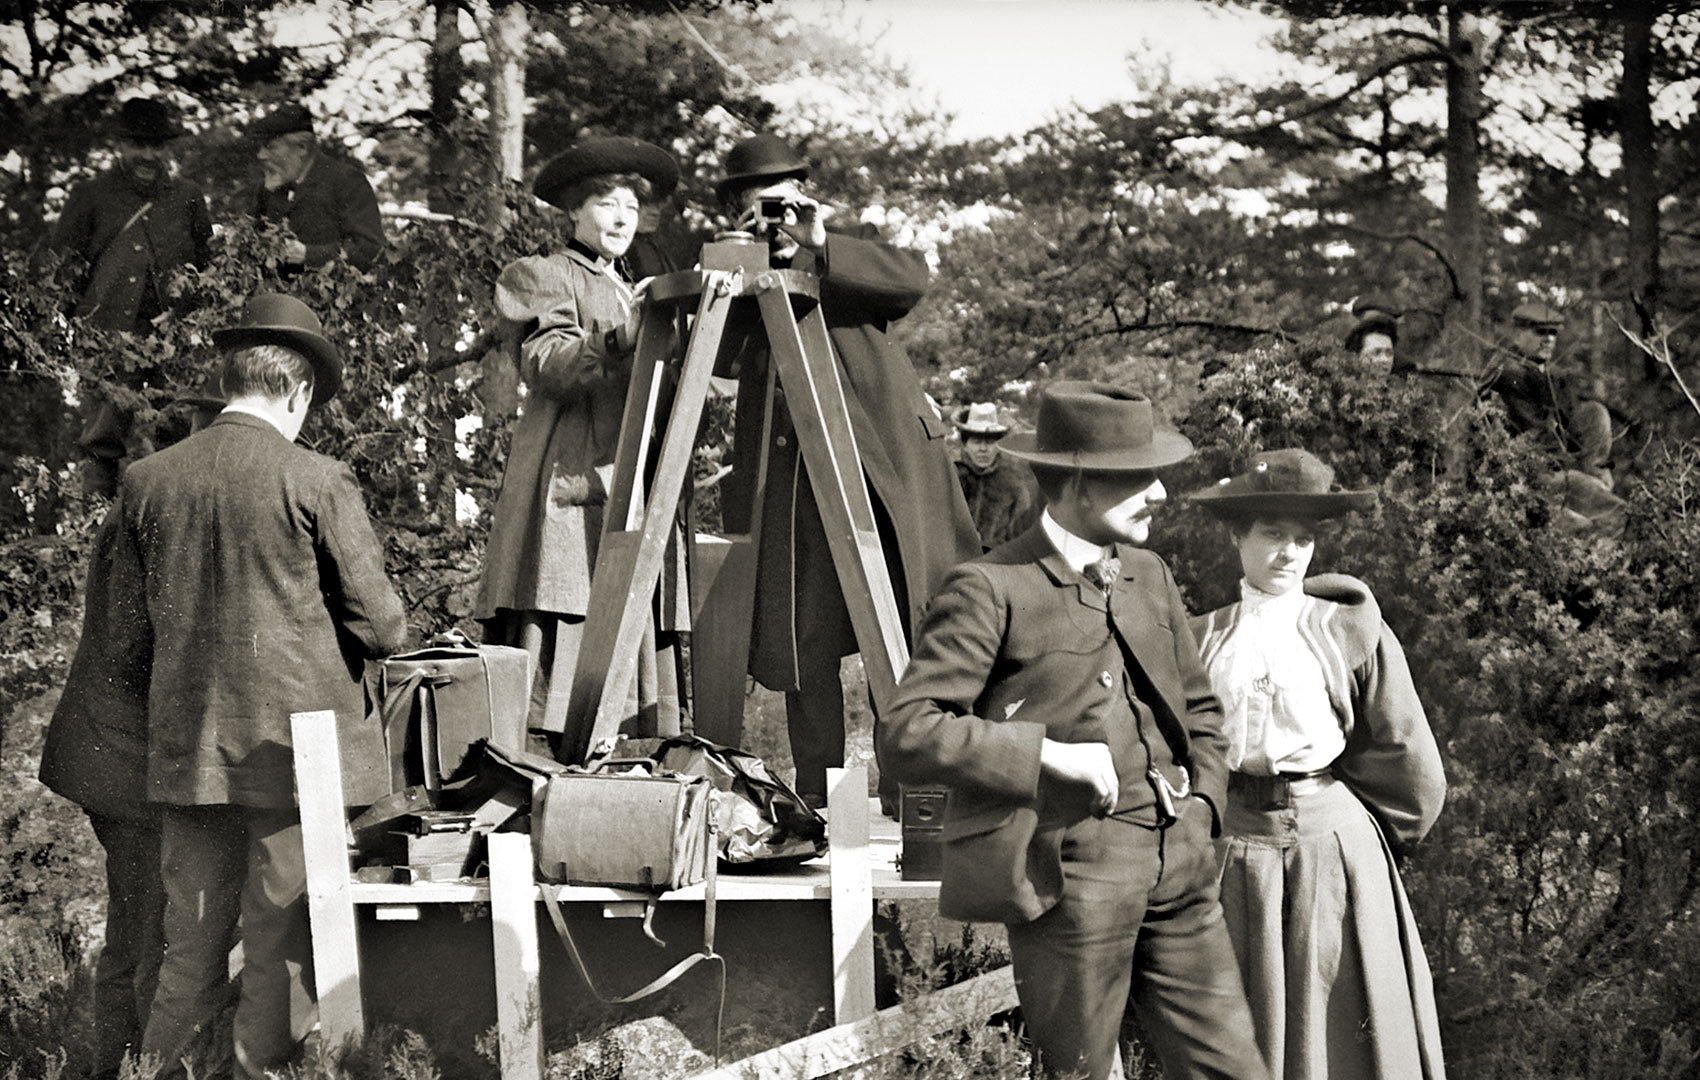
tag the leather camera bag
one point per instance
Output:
(436, 702)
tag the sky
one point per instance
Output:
(1005, 66)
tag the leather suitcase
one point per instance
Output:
(636, 831)
(440, 700)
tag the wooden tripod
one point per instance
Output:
(636, 526)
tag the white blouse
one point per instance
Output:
(1278, 717)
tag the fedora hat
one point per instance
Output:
(601, 155)
(1293, 483)
(980, 418)
(276, 319)
(762, 157)
(286, 118)
(145, 120)
(1097, 427)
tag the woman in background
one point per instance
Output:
(1335, 771)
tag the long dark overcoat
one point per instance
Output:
(865, 285)
(265, 594)
(131, 242)
(331, 210)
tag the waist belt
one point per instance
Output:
(1276, 792)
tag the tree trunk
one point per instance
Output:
(1463, 173)
(1640, 169)
(448, 76)
(504, 39)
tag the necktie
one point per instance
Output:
(1104, 573)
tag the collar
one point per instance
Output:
(1078, 553)
(1254, 601)
(246, 411)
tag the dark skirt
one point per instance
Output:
(1338, 983)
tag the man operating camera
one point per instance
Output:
(802, 627)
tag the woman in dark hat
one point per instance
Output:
(571, 319)
(1334, 771)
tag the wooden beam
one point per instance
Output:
(330, 906)
(849, 1045)
(513, 924)
(852, 895)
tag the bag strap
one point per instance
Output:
(671, 975)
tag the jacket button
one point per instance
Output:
(780, 440)
(1104, 679)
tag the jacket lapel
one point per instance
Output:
(1035, 546)
(1151, 647)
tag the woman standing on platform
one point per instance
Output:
(1335, 770)
(572, 318)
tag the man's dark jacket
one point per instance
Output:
(331, 209)
(1003, 500)
(265, 592)
(865, 285)
(127, 266)
(1017, 648)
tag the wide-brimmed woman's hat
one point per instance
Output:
(763, 157)
(1284, 483)
(601, 155)
(145, 120)
(980, 418)
(276, 319)
(1097, 427)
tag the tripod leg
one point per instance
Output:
(802, 354)
(628, 563)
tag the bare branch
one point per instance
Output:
(1380, 71)
(1659, 349)
(1446, 264)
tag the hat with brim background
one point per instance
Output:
(1283, 483)
(145, 120)
(283, 120)
(1097, 427)
(981, 418)
(276, 319)
(760, 159)
(600, 156)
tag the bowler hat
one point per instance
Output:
(1538, 315)
(1373, 321)
(276, 319)
(601, 155)
(1293, 483)
(286, 118)
(1097, 427)
(980, 418)
(762, 157)
(146, 120)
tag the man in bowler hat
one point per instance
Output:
(802, 626)
(264, 592)
(1057, 690)
(129, 228)
(328, 202)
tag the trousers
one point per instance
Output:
(221, 863)
(128, 969)
(1139, 923)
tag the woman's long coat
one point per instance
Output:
(865, 285)
(548, 519)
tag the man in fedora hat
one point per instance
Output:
(1057, 690)
(264, 592)
(128, 229)
(328, 202)
(802, 627)
(999, 489)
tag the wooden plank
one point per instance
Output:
(852, 895)
(513, 919)
(849, 1045)
(623, 592)
(330, 908)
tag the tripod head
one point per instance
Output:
(736, 250)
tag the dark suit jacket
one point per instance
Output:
(127, 267)
(1016, 649)
(332, 209)
(265, 592)
(96, 753)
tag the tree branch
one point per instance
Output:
(1393, 238)
(1380, 71)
